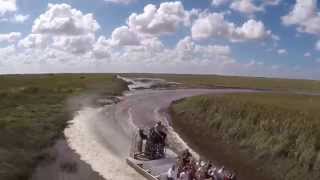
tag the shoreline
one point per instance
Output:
(218, 151)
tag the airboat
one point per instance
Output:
(151, 158)
(154, 161)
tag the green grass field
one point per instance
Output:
(279, 130)
(214, 81)
(34, 112)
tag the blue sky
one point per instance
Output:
(237, 37)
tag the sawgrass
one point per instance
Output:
(34, 113)
(280, 130)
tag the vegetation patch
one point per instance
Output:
(217, 81)
(279, 130)
(34, 113)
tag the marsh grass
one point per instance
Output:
(218, 81)
(280, 130)
(34, 113)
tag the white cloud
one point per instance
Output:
(123, 36)
(245, 6)
(34, 41)
(20, 18)
(8, 12)
(62, 19)
(101, 49)
(164, 20)
(305, 16)
(17, 18)
(219, 2)
(272, 2)
(63, 39)
(252, 30)
(7, 51)
(307, 54)
(10, 37)
(74, 44)
(7, 6)
(317, 47)
(62, 28)
(214, 25)
(120, 1)
(282, 51)
(250, 7)
(152, 51)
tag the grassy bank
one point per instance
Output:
(33, 113)
(216, 81)
(280, 133)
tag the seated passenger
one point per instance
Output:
(140, 140)
(172, 173)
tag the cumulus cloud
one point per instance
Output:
(34, 41)
(17, 18)
(252, 30)
(163, 20)
(20, 18)
(62, 28)
(120, 1)
(250, 7)
(7, 6)
(214, 25)
(74, 44)
(245, 6)
(64, 39)
(271, 2)
(101, 49)
(305, 16)
(282, 51)
(62, 19)
(10, 37)
(188, 50)
(123, 36)
(219, 2)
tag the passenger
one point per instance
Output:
(214, 174)
(233, 177)
(220, 174)
(185, 156)
(208, 170)
(172, 173)
(202, 171)
(161, 130)
(141, 138)
(184, 174)
(160, 127)
(193, 169)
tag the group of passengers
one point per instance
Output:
(152, 144)
(187, 168)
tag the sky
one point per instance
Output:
(271, 38)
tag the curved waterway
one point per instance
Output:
(102, 136)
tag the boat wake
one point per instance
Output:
(101, 142)
(103, 136)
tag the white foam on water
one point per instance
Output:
(173, 138)
(82, 138)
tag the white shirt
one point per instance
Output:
(183, 176)
(171, 173)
